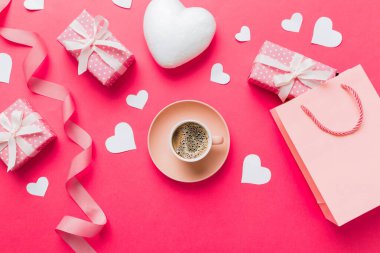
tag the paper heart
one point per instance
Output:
(138, 101)
(253, 172)
(293, 24)
(175, 34)
(244, 35)
(218, 76)
(123, 139)
(324, 34)
(34, 5)
(5, 67)
(39, 188)
(123, 3)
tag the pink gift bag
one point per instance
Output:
(333, 132)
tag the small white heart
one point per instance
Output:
(34, 5)
(123, 3)
(138, 101)
(218, 76)
(39, 188)
(324, 34)
(5, 67)
(293, 24)
(123, 140)
(244, 35)
(253, 172)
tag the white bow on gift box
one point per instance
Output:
(16, 127)
(90, 43)
(300, 68)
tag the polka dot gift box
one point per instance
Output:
(287, 73)
(23, 134)
(88, 39)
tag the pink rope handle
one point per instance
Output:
(339, 133)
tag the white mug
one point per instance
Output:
(212, 140)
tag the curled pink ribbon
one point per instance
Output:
(71, 229)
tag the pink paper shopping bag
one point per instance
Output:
(333, 132)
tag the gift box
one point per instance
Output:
(88, 39)
(286, 73)
(23, 134)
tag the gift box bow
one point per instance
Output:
(90, 42)
(17, 126)
(300, 68)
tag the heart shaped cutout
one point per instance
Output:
(123, 140)
(293, 24)
(39, 188)
(253, 172)
(34, 5)
(324, 34)
(244, 35)
(138, 101)
(123, 3)
(218, 76)
(5, 67)
(175, 34)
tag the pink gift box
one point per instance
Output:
(36, 141)
(263, 75)
(105, 73)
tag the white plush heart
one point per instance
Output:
(123, 3)
(218, 76)
(175, 34)
(138, 101)
(39, 188)
(324, 34)
(253, 172)
(244, 35)
(293, 24)
(34, 5)
(123, 140)
(5, 67)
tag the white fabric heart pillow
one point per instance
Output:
(175, 34)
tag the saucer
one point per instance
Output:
(159, 144)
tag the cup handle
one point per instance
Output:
(217, 140)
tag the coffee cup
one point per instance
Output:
(191, 140)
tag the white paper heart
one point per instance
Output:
(293, 24)
(34, 5)
(5, 67)
(175, 34)
(253, 172)
(138, 101)
(39, 188)
(123, 3)
(218, 76)
(324, 34)
(244, 35)
(123, 140)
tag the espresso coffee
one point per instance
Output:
(190, 140)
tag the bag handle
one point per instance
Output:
(339, 133)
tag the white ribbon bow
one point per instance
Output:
(90, 43)
(300, 68)
(16, 127)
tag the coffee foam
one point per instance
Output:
(190, 140)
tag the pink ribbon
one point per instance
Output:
(71, 229)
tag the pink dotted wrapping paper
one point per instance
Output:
(96, 66)
(39, 141)
(262, 75)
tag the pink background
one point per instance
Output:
(148, 212)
